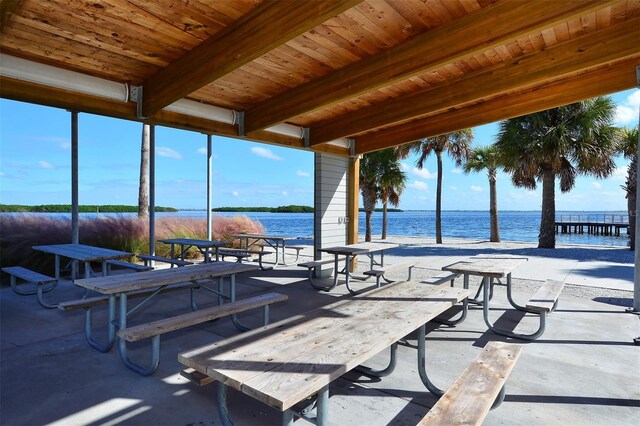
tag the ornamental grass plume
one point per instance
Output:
(19, 233)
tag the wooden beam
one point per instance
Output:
(597, 82)
(25, 91)
(490, 27)
(353, 196)
(267, 26)
(7, 8)
(598, 48)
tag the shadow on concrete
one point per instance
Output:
(575, 400)
(607, 271)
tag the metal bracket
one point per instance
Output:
(306, 134)
(240, 122)
(352, 147)
(135, 94)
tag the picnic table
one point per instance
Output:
(81, 253)
(350, 252)
(202, 245)
(491, 267)
(277, 242)
(298, 357)
(120, 286)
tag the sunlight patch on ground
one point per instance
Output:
(103, 410)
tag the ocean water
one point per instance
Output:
(514, 225)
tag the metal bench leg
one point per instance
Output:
(122, 345)
(234, 317)
(223, 410)
(385, 371)
(463, 316)
(14, 287)
(532, 336)
(316, 286)
(499, 398)
(111, 327)
(41, 299)
(421, 368)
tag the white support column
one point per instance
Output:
(209, 184)
(636, 270)
(75, 234)
(330, 203)
(152, 190)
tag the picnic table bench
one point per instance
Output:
(241, 254)
(149, 284)
(147, 258)
(43, 283)
(296, 358)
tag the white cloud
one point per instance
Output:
(420, 186)
(475, 188)
(265, 153)
(627, 113)
(1, 173)
(453, 188)
(203, 151)
(456, 171)
(285, 193)
(163, 151)
(45, 164)
(235, 194)
(65, 145)
(596, 185)
(423, 173)
(301, 173)
(620, 173)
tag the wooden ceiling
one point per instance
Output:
(380, 72)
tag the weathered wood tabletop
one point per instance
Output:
(290, 360)
(129, 282)
(494, 267)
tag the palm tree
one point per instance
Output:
(380, 176)
(566, 141)
(457, 144)
(628, 146)
(391, 186)
(482, 158)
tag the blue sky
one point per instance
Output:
(35, 167)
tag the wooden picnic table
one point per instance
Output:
(81, 253)
(350, 252)
(120, 285)
(202, 245)
(489, 267)
(298, 357)
(277, 242)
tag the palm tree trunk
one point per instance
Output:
(493, 207)
(143, 187)
(369, 203)
(547, 236)
(631, 207)
(439, 200)
(384, 220)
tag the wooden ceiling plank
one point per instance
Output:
(264, 28)
(597, 82)
(611, 44)
(498, 23)
(8, 8)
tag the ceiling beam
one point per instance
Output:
(39, 94)
(7, 8)
(490, 27)
(597, 82)
(598, 48)
(264, 28)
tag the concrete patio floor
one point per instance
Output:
(583, 370)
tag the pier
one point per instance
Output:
(603, 224)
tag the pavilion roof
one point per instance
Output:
(365, 74)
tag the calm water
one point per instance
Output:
(514, 225)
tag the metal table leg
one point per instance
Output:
(421, 367)
(111, 327)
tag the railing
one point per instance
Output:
(618, 218)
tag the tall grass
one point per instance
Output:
(18, 233)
